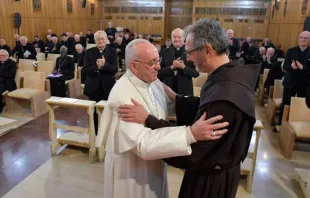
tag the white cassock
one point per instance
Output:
(133, 168)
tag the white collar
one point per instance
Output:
(136, 81)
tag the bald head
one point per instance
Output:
(304, 38)
(2, 42)
(230, 33)
(177, 37)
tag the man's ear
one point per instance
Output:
(133, 67)
(209, 49)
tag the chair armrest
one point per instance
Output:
(5, 93)
(286, 113)
(271, 88)
(47, 86)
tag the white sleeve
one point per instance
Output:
(154, 144)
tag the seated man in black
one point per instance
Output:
(79, 59)
(7, 74)
(4, 46)
(37, 43)
(25, 50)
(63, 71)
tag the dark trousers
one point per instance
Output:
(58, 87)
(100, 96)
(288, 93)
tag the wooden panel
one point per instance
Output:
(285, 29)
(137, 15)
(53, 15)
(246, 18)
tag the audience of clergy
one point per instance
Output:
(79, 59)
(7, 74)
(166, 45)
(100, 66)
(176, 71)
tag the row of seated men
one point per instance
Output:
(294, 72)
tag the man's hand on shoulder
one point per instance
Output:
(133, 113)
(203, 129)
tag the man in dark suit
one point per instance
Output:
(110, 30)
(79, 59)
(296, 63)
(175, 70)
(234, 45)
(25, 50)
(4, 46)
(90, 37)
(37, 43)
(68, 43)
(100, 66)
(7, 74)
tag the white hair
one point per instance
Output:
(78, 46)
(3, 51)
(54, 37)
(23, 38)
(77, 35)
(100, 32)
(262, 48)
(131, 48)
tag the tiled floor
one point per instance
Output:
(69, 175)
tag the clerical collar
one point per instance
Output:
(101, 51)
(136, 81)
(303, 49)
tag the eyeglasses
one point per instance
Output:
(188, 53)
(151, 64)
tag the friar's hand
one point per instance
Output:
(203, 130)
(133, 113)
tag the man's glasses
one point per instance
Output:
(151, 64)
(188, 53)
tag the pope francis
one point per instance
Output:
(132, 166)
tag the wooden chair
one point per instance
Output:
(295, 125)
(33, 91)
(26, 65)
(47, 67)
(52, 57)
(90, 46)
(274, 100)
(261, 88)
(40, 56)
(198, 83)
(74, 85)
(78, 136)
(249, 164)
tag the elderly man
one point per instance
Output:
(213, 168)
(245, 47)
(100, 66)
(4, 46)
(296, 65)
(64, 70)
(25, 50)
(175, 70)
(110, 30)
(133, 150)
(7, 74)
(68, 43)
(37, 43)
(234, 45)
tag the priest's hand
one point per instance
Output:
(100, 62)
(203, 129)
(299, 65)
(133, 113)
(170, 93)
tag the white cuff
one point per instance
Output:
(189, 136)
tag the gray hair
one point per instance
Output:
(130, 51)
(23, 38)
(78, 46)
(100, 32)
(62, 49)
(208, 31)
(3, 51)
